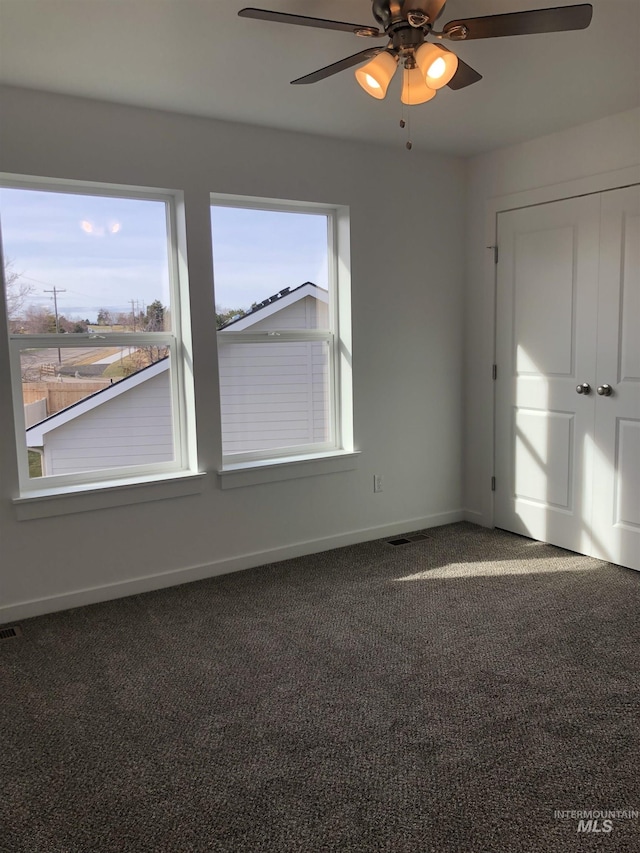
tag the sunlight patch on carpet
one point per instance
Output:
(494, 568)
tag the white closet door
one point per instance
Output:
(616, 440)
(568, 320)
(547, 284)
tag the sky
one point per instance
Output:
(104, 252)
(256, 253)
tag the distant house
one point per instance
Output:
(272, 395)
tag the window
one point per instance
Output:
(281, 292)
(95, 325)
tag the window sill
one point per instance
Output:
(95, 496)
(233, 476)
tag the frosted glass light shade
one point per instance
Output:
(414, 89)
(375, 76)
(436, 64)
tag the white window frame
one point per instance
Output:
(337, 337)
(177, 340)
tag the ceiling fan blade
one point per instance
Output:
(464, 76)
(554, 20)
(335, 67)
(304, 21)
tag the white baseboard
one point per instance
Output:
(475, 517)
(148, 583)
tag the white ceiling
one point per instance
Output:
(198, 57)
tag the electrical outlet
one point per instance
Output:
(377, 482)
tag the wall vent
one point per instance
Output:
(10, 632)
(407, 540)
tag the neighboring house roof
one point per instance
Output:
(275, 303)
(35, 434)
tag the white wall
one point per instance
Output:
(407, 345)
(580, 154)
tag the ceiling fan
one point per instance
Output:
(428, 66)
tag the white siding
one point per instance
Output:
(273, 395)
(307, 313)
(131, 429)
(276, 394)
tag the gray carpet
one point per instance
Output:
(447, 695)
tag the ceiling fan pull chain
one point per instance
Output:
(407, 124)
(409, 143)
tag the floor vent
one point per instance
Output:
(407, 540)
(10, 632)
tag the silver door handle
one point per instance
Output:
(585, 388)
(605, 390)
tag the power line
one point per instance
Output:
(37, 280)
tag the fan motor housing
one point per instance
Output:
(388, 12)
(405, 38)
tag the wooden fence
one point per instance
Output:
(59, 395)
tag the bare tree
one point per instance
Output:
(38, 320)
(17, 292)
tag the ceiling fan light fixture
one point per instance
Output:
(437, 65)
(414, 89)
(375, 76)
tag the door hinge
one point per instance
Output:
(495, 253)
(493, 484)
(494, 372)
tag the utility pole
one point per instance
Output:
(55, 292)
(133, 312)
